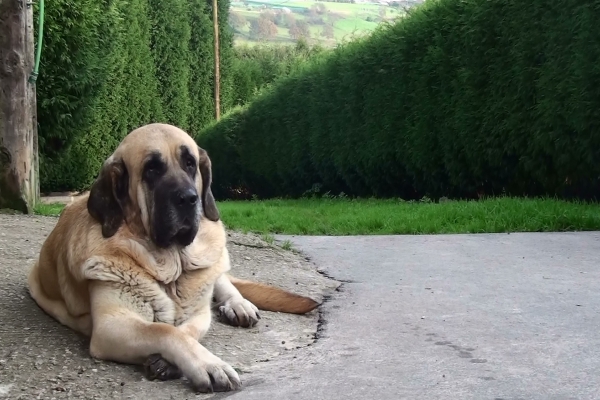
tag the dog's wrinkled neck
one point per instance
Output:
(207, 247)
(165, 265)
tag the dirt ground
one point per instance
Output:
(41, 359)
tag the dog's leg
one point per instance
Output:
(198, 325)
(156, 367)
(121, 335)
(232, 305)
(124, 337)
(57, 308)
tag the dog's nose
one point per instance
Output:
(187, 198)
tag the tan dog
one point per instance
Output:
(135, 263)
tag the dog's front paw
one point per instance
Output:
(216, 376)
(157, 367)
(240, 312)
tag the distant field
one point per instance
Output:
(346, 19)
(341, 7)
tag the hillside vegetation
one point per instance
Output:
(460, 99)
(255, 67)
(323, 22)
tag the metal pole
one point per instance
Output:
(217, 62)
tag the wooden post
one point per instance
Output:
(217, 62)
(19, 187)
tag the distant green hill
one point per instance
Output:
(323, 22)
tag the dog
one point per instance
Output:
(136, 263)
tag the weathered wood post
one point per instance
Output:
(19, 186)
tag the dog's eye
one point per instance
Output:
(190, 163)
(153, 169)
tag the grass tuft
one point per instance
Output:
(49, 209)
(268, 238)
(286, 245)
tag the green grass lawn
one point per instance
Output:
(368, 217)
(50, 210)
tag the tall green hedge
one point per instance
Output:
(109, 66)
(462, 97)
(256, 67)
(170, 44)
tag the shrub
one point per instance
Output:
(170, 37)
(108, 67)
(256, 67)
(125, 92)
(457, 99)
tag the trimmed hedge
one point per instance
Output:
(458, 99)
(109, 66)
(256, 67)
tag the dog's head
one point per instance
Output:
(157, 178)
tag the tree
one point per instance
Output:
(316, 13)
(268, 15)
(320, 8)
(382, 12)
(19, 187)
(263, 29)
(328, 31)
(300, 30)
(285, 19)
(290, 20)
(332, 18)
(237, 20)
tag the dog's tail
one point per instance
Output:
(270, 298)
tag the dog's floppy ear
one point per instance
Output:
(108, 196)
(208, 200)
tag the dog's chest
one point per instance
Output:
(132, 287)
(192, 292)
(145, 296)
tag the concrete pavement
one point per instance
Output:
(41, 359)
(418, 317)
(500, 316)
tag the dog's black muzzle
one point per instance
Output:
(176, 213)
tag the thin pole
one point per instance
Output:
(217, 71)
(36, 67)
